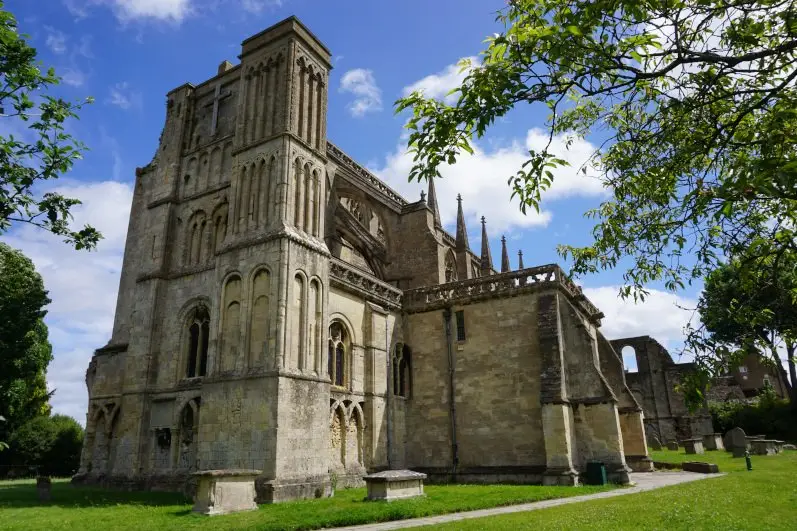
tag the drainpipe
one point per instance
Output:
(452, 403)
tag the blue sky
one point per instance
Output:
(128, 54)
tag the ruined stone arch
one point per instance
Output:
(339, 354)
(338, 430)
(627, 353)
(355, 428)
(260, 315)
(100, 438)
(187, 435)
(230, 326)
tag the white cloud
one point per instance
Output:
(124, 97)
(127, 10)
(662, 315)
(481, 178)
(82, 285)
(440, 84)
(368, 96)
(56, 40)
(73, 76)
(258, 6)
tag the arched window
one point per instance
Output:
(451, 267)
(198, 331)
(629, 359)
(402, 370)
(338, 347)
(231, 325)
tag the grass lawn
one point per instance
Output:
(86, 509)
(764, 499)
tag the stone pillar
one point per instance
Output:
(557, 424)
(601, 434)
(635, 445)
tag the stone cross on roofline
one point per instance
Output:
(217, 99)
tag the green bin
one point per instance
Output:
(596, 473)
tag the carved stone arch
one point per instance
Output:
(230, 317)
(335, 407)
(261, 297)
(355, 428)
(182, 404)
(194, 337)
(301, 61)
(203, 172)
(450, 266)
(189, 181)
(337, 436)
(355, 410)
(194, 237)
(187, 428)
(298, 320)
(214, 170)
(298, 190)
(337, 316)
(219, 224)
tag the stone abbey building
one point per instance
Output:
(282, 309)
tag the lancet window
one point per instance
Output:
(197, 353)
(339, 346)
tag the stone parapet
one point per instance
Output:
(502, 285)
(368, 178)
(348, 278)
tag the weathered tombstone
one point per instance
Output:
(713, 441)
(225, 491)
(693, 446)
(702, 468)
(394, 485)
(764, 447)
(736, 442)
(44, 488)
(672, 445)
(655, 443)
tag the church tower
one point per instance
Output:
(273, 270)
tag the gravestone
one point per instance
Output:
(693, 446)
(713, 441)
(672, 445)
(655, 443)
(44, 488)
(394, 485)
(736, 442)
(225, 491)
(764, 447)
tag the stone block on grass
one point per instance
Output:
(225, 491)
(700, 468)
(394, 485)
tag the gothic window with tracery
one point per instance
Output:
(198, 332)
(402, 370)
(337, 350)
(450, 268)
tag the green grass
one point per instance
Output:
(765, 498)
(86, 509)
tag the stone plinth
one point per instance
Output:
(394, 485)
(225, 491)
(702, 468)
(764, 447)
(713, 441)
(693, 446)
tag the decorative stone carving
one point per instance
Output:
(394, 485)
(346, 277)
(225, 491)
(364, 174)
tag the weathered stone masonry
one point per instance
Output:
(282, 309)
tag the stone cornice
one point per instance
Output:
(496, 286)
(371, 181)
(347, 278)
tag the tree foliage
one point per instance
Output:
(34, 146)
(51, 444)
(744, 310)
(695, 104)
(24, 349)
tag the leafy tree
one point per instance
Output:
(40, 149)
(745, 310)
(53, 444)
(695, 106)
(24, 349)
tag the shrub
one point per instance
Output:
(763, 415)
(52, 444)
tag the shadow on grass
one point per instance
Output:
(66, 495)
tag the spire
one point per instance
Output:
(520, 260)
(487, 259)
(432, 202)
(462, 232)
(504, 256)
